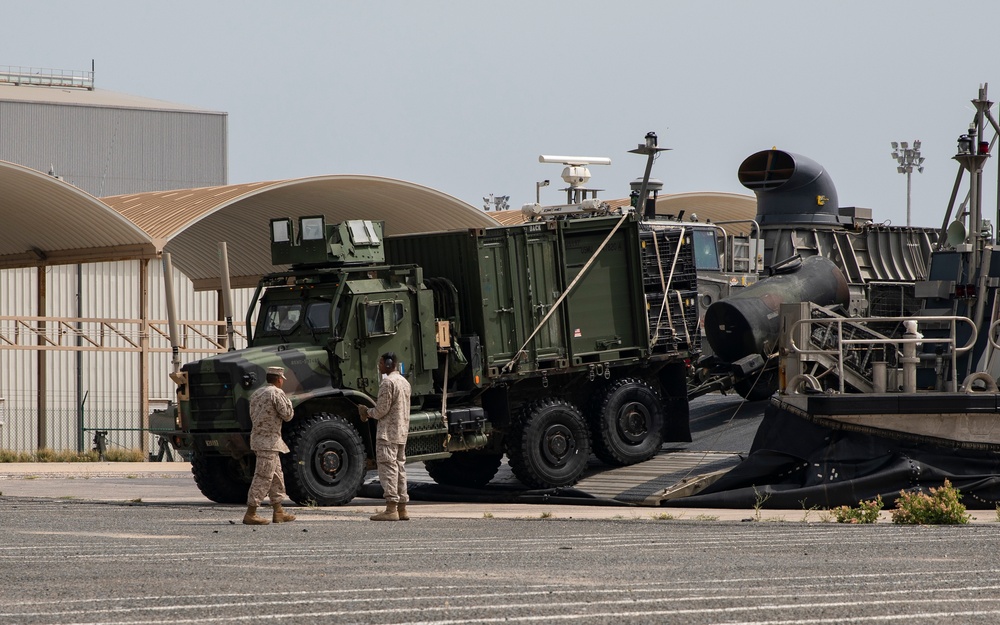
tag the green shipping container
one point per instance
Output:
(506, 280)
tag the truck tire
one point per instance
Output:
(221, 478)
(628, 427)
(464, 469)
(326, 466)
(758, 388)
(549, 445)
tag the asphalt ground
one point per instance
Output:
(138, 543)
(85, 562)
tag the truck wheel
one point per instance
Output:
(221, 478)
(549, 445)
(327, 463)
(764, 387)
(628, 428)
(464, 469)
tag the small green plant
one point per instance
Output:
(807, 510)
(487, 515)
(759, 500)
(866, 512)
(546, 515)
(664, 516)
(706, 517)
(136, 500)
(998, 513)
(943, 506)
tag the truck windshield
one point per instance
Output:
(706, 252)
(282, 317)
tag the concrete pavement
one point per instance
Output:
(172, 483)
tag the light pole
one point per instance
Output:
(907, 158)
(538, 190)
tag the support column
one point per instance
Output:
(144, 352)
(41, 309)
(220, 308)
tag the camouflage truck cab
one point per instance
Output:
(543, 342)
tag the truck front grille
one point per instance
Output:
(212, 399)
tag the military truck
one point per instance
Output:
(544, 342)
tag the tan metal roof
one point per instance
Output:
(47, 221)
(190, 223)
(706, 205)
(711, 206)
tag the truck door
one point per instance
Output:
(497, 280)
(542, 279)
(382, 328)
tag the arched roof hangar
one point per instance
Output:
(50, 222)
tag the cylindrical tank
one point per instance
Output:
(790, 189)
(749, 321)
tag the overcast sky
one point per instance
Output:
(463, 96)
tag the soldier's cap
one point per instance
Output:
(278, 371)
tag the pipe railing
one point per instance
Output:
(908, 344)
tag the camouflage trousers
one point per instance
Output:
(391, 461)
(268, 479)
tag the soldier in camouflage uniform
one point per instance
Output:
(269, 407)
(392, 409)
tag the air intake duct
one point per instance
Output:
(749, 321)
(790, 189)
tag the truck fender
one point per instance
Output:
(356, 397)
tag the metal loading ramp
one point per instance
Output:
(722, 428)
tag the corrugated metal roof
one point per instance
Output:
(46, 220)
(84, 97)
(190, 223)
(711, 206)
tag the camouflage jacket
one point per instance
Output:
(392, 409)
(269, 406)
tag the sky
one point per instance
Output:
(464, 95)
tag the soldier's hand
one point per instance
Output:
(363, 412)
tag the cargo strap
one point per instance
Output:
(507, 367)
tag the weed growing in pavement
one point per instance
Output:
(866, 512)
(943, 506)
(998, 511)
(546, 515)
(706, 517)
(807, 510)
(487, 515)
(664, 516)
(759, 500)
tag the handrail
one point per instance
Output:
(993, 327)
(841, 341)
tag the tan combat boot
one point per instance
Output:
(401, 511)
(389, 514)
(251, 518)
(280, 516)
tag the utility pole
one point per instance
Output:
(907, 158)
